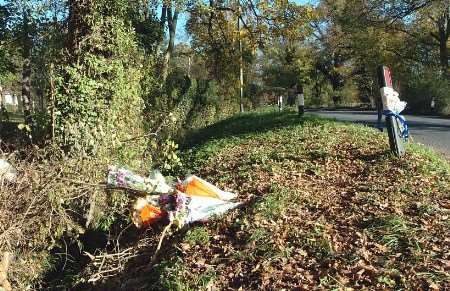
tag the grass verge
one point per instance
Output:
(326, 206)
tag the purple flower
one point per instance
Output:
(121, 179)
(180, 202)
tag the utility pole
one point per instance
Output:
(241, 69)
(189, 67)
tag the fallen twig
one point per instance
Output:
(163, 234)
(91, 212)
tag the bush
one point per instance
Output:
(49, 207)
(419, 91)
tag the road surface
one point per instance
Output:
(431, 131)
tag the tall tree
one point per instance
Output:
(100, 79)
(213, 28)
(26, 67)
(78, 27)
(21, 26)
(439, 15)
(425, 22)
(169, 15)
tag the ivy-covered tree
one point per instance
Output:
(98, 101)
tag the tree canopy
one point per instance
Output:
(65, 58)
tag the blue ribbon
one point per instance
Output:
(405, 133)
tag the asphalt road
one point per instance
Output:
(431, 131)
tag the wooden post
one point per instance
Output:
(392, 122)
(280, 103)
(300, 100)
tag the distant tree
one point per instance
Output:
(213, 27)
(285, 65)
(427, 22)
(169, 16)
(22, 27)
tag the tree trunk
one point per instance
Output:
(241, 68)
(26, 90)
(26, 71)
(444, 30)
(77, 26)
(145, 7)
(172, 25)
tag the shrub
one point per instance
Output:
(419, 91)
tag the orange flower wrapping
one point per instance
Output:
(196, 187)
(150, 214)
(145, 214)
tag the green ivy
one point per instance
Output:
(98, 100)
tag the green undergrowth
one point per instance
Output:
(325, 206)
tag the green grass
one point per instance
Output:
(272, 206)
(434, 164)
(197, 235)
(393, 232)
